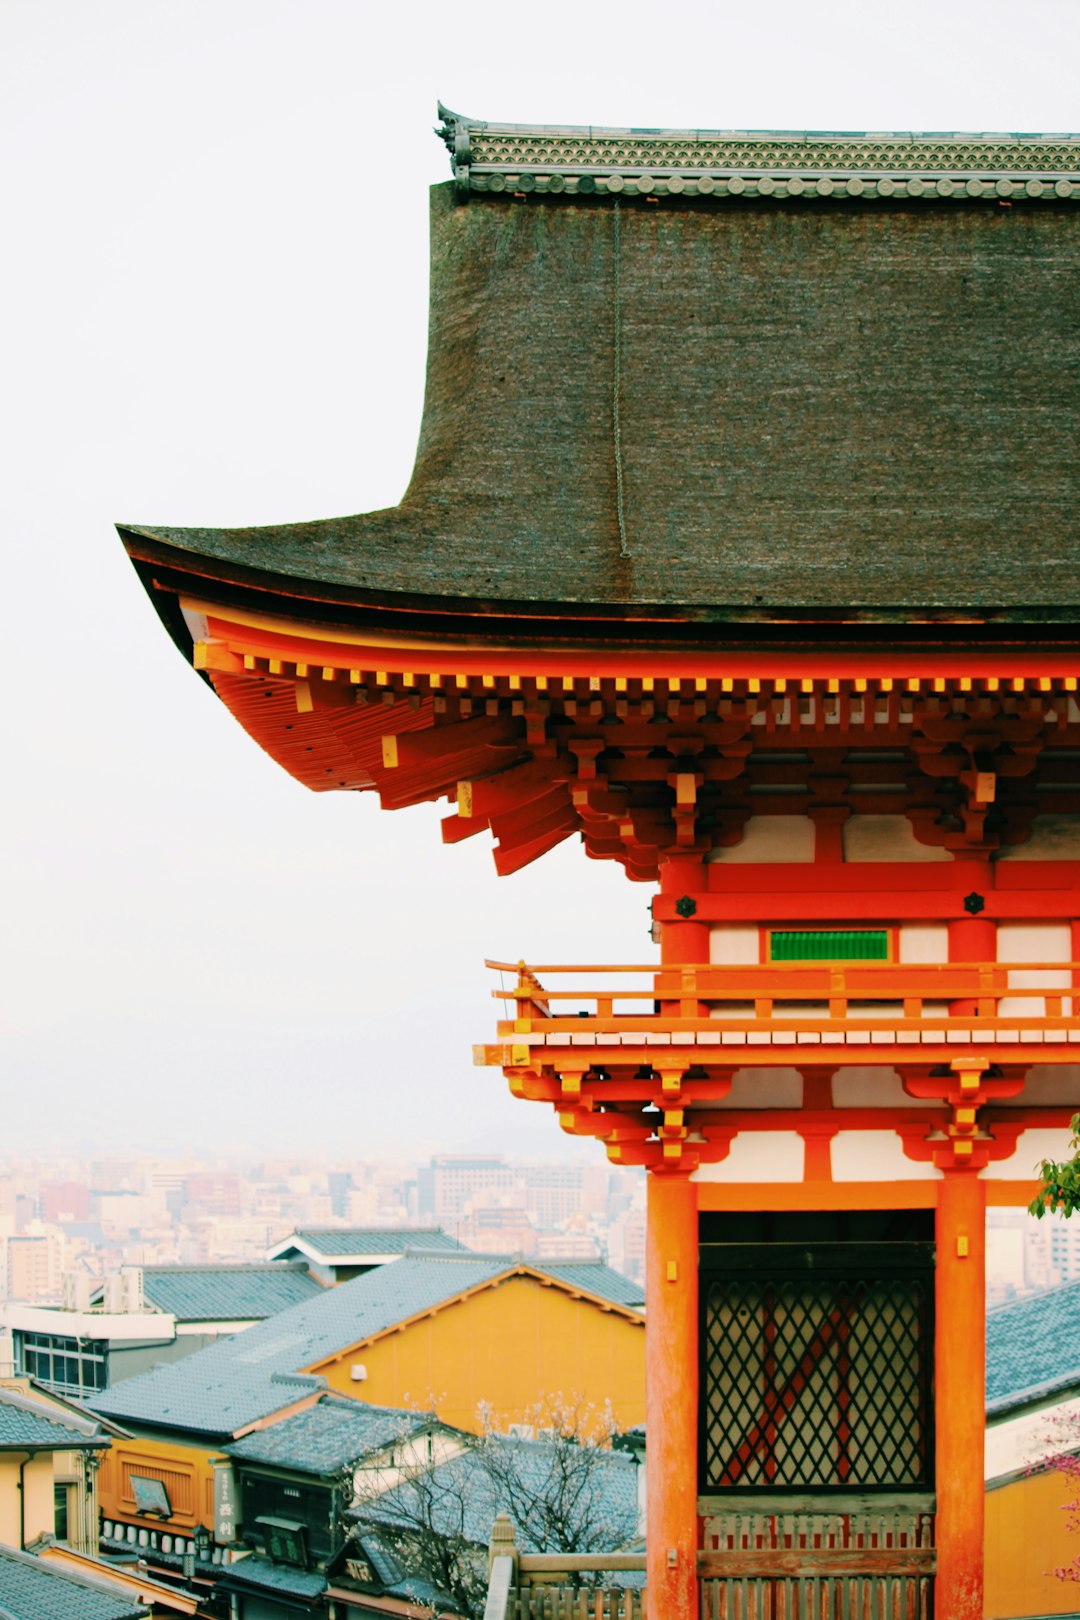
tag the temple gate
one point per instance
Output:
(740, 545)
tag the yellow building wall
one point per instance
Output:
(510, 1346)
(185, 1471)
(37, 1478)
(1026, 1540)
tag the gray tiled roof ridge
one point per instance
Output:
(566, 161)
(369, 1239)
(230, 1266)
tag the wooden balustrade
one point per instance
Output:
(560, 1586)
(789, 1560)
(709, 1003)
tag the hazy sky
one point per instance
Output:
(214, 304)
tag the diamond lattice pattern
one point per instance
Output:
(816, 1382)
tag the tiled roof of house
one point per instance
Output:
(1032, 1347)
(328, 1436)
(340, 1243)
(263, 1575)
(234, 1293)
(461, 1498)
(595, 1277)
(240, 1379)
(33, 1590)
(27, 1423)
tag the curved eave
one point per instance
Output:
(170, 569)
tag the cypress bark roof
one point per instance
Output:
(822, 407)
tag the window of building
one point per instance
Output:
(829, 945)
(70, 1366)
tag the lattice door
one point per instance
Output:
(816, 1376)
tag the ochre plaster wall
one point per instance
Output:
(185, 1471)
(511, 1346)
(1027, 1538)
(38, 1518)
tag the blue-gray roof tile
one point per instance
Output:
(232, 1383)
(339, 1242)
(31, 1589)
(27, 1423)
(328, 1436)
(263, 1575)
(238, 1380)
(595, 1277)
(236, 1293)
(1032, 1346)
(460, 1497)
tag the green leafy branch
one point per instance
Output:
(1060, 1189)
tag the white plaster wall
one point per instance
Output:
(771, 839)
(763, 1088)
(886, 838)
(924, 942)
(1053, 838)
(1013, 1445)
(876, 1156)
(766, 1157)
(1031, 1148)
(735, 944)
(1050, 1085)
(871, 1088)
(1033, 942)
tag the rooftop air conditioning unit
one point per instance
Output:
(113, 1294)
(75, 1291)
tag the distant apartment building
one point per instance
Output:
(451, 1181)
(213, 1192)
(63, 1201)
(34, 1266)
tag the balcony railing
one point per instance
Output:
(1017, 1005)
(548, 1586)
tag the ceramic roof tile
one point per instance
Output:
(327, 1437)
(227, 1293)
(29, 1423)
(31, 1589)
(239, 1379)
(250, 1375)
(1032, 1345)
(465, 1500)
(263, 1575)
(335, 1242)
(595, 1277)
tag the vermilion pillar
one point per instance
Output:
(960, 1393)
(971, 939)
(671, 1324)
(671, 1395)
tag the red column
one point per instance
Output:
(671, 1396)
(960, 1393)
(971, 939)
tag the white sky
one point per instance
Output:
(213, 295)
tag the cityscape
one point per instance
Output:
(93, 1215)
(90, 1217)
